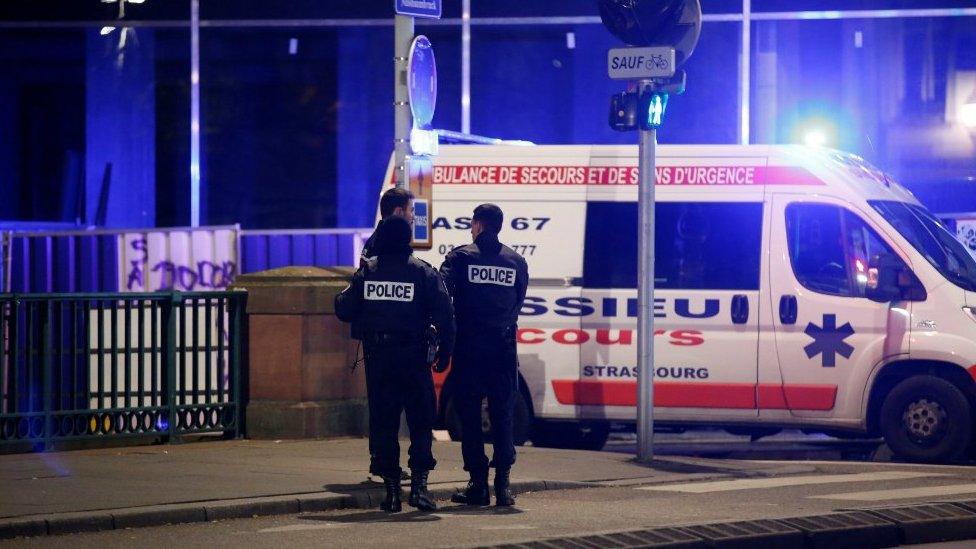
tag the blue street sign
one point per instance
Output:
(422, 82)
(421, 226)
(419, 8)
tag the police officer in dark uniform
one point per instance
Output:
(488, 281)
(395, 202)
(395, 297)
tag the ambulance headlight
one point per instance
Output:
(971, 311)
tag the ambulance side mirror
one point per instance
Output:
(889, 279)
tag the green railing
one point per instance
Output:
(95, 366)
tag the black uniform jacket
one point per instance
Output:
(369, 247)
(399, 294)
(488, 281)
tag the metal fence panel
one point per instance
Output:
(63, 262)
(4, 261)
(263, 250)
(182, 259)
(90, 366)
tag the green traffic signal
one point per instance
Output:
(652, 106)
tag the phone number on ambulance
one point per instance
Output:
(524, 249)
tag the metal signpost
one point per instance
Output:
(415, 96)
(642, 64)
(665, 32)
(402, 40)
(645, 291)
(403, 43)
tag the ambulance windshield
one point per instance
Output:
(932, 240)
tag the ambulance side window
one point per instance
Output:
(830, 248)
(698, 245)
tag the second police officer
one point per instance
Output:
(488, 281)
(394, 298)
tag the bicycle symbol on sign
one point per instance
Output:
(657, 61)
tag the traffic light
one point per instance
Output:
(623, 111)
(651, 108)
(675, 23)
(632, 110)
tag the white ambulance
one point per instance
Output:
(795, 287)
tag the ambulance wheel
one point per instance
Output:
(575, 436)
(521, 420)
(926, 418)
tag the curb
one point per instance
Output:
(206, 511)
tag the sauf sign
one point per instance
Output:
(639, 63)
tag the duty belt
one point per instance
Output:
(476, 330)
(395, 338)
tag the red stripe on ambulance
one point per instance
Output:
(622, 175)
(668, 394)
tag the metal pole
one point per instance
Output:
(744, 70)
(645, 293)
(194, 113)
(402, 37)
(465, 66)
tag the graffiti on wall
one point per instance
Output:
(186, 261)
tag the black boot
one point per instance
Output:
(503, 494)
(391, 503)
(477, 491)
(419, 497)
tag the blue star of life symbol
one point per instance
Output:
(828, 341)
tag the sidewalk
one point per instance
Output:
(151, 485)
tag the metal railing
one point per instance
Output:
(4, 260)
(90, 366)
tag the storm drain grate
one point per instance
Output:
(968, 504)
(931, 522)
(763, 533)
(660, 538)
(855, 529)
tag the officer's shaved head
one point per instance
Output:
(490, 216)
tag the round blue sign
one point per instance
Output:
(422, 81)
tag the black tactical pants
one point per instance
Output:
(485, 365)
(398, 379)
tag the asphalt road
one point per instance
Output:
(787, 444)
(607, 508)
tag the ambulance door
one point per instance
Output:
(706, 309)
(549, 339)
(829, 336)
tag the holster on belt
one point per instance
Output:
(431, 344)
(506, 333)
(389, 339)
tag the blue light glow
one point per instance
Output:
(815, 137)
(821, 125)
(967, 114)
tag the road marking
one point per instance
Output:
(903, 493)
(300, 527)
(779, 482)
(509, 527)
